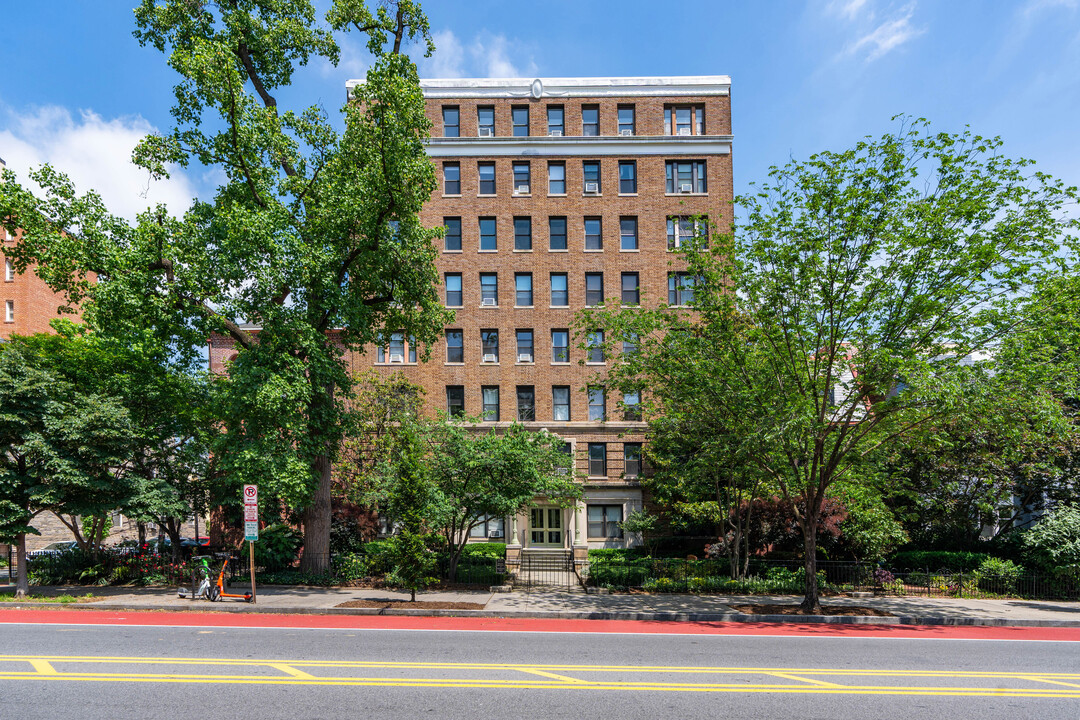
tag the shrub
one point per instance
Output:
(485, 550)
(883, 577)
(295, 577)
(662, 585)
(350, 527)
(618, 575)
(615, 554)
(998, 576)
(708, 584)
(348, 566)
(378, 557)
(1054, 542)
(937, 560)
(277, 547)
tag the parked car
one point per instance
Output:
(195, 546)
(57, 548)
(148, 546)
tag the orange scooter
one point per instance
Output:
(217, 589)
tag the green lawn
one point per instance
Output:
(9, 596)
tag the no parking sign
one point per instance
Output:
(251, 513)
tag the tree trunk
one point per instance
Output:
(451, 570)
(142, 533)
(316, 556)
(172, 526)
(22, 580)
(810, 604)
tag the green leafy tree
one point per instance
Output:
(871, 529)
(1011, 450)
(63, 448)
(846, 308)
(447, 477)
(643, 525)
(409, 505)
(170, 407)
(311, 248)
(1007, 447)
(702, 474)
(498, 472)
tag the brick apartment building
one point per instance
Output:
(557, 194)
(26, 302)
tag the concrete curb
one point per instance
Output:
(733, 617)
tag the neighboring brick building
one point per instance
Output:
(26, 302)
(558, 193)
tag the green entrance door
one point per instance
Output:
(545, 527)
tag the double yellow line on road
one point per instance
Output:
(815, 681)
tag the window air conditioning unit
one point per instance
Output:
(522, 190)
(626, 132)
(523, 357)
(592, 188)
(686, 187)
(684, 131)
(395, 358)
(487, 132)
(488, 301)
(554, 133)
(495, 533)
(489, 358)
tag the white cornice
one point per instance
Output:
(583, 146)
(591, 87)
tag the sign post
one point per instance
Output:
(251, 528)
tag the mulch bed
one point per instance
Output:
(406, 604)
(787, 609)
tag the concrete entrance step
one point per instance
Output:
(546, 552)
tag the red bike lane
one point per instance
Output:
(154, 618)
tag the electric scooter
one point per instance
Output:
(201, 575)
(217, 589)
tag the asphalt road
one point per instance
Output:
(73, 671)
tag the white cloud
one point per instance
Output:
(352, 61)
(448, 60)
(887, 36)
(95, 153)
(487, 55)
(492, 53)
(847, 9)
(1034, 6)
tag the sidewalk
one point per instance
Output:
(675, 607)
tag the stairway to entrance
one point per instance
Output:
(547, 569)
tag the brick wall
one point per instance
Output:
(34, 303)
(649, 112)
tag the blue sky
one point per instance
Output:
(78, 91)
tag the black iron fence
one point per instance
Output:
(121, 566)
(788, 577)
(554, 571)
(107, 566)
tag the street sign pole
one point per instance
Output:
(251, 528)
(251, 567)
